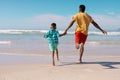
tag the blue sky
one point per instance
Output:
(38, 14)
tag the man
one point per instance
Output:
(82, 20)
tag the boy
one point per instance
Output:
(82, 20)
(52, 35)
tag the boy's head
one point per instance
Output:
(53, 26)
(82, 8)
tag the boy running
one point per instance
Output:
(52, 35)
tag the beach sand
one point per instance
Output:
(34, 67)
(100, 62)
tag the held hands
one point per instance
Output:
(64, 33)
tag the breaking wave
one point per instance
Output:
(19, 32)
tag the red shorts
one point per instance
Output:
(80, 37)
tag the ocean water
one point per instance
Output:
(15, 41)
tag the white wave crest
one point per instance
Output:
(18, 31)
(5, 42)
(100, 43)
(113, 33)
(44, 31)
(100, 33)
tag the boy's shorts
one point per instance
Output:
(80, 37)
(53, 47)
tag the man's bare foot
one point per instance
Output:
(80, 61)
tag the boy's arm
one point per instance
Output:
(62, 34)
(46, 35)
(59, 35)
(69, 26)
(98, 27)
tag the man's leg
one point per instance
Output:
(77, 45)
(80, 40)
(81, 47)
(53, 61)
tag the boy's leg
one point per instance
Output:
(81, 51)
(57, 54)
(53, 61)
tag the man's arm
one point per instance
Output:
(98, 27)
(69, 26)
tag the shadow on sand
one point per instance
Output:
(107, 65)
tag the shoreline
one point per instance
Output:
(92, 52)
(13, 59)
(63, 49)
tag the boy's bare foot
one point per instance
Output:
(53, 64)
(58, 59)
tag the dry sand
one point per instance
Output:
(94, 68)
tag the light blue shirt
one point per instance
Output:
(52, 36)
